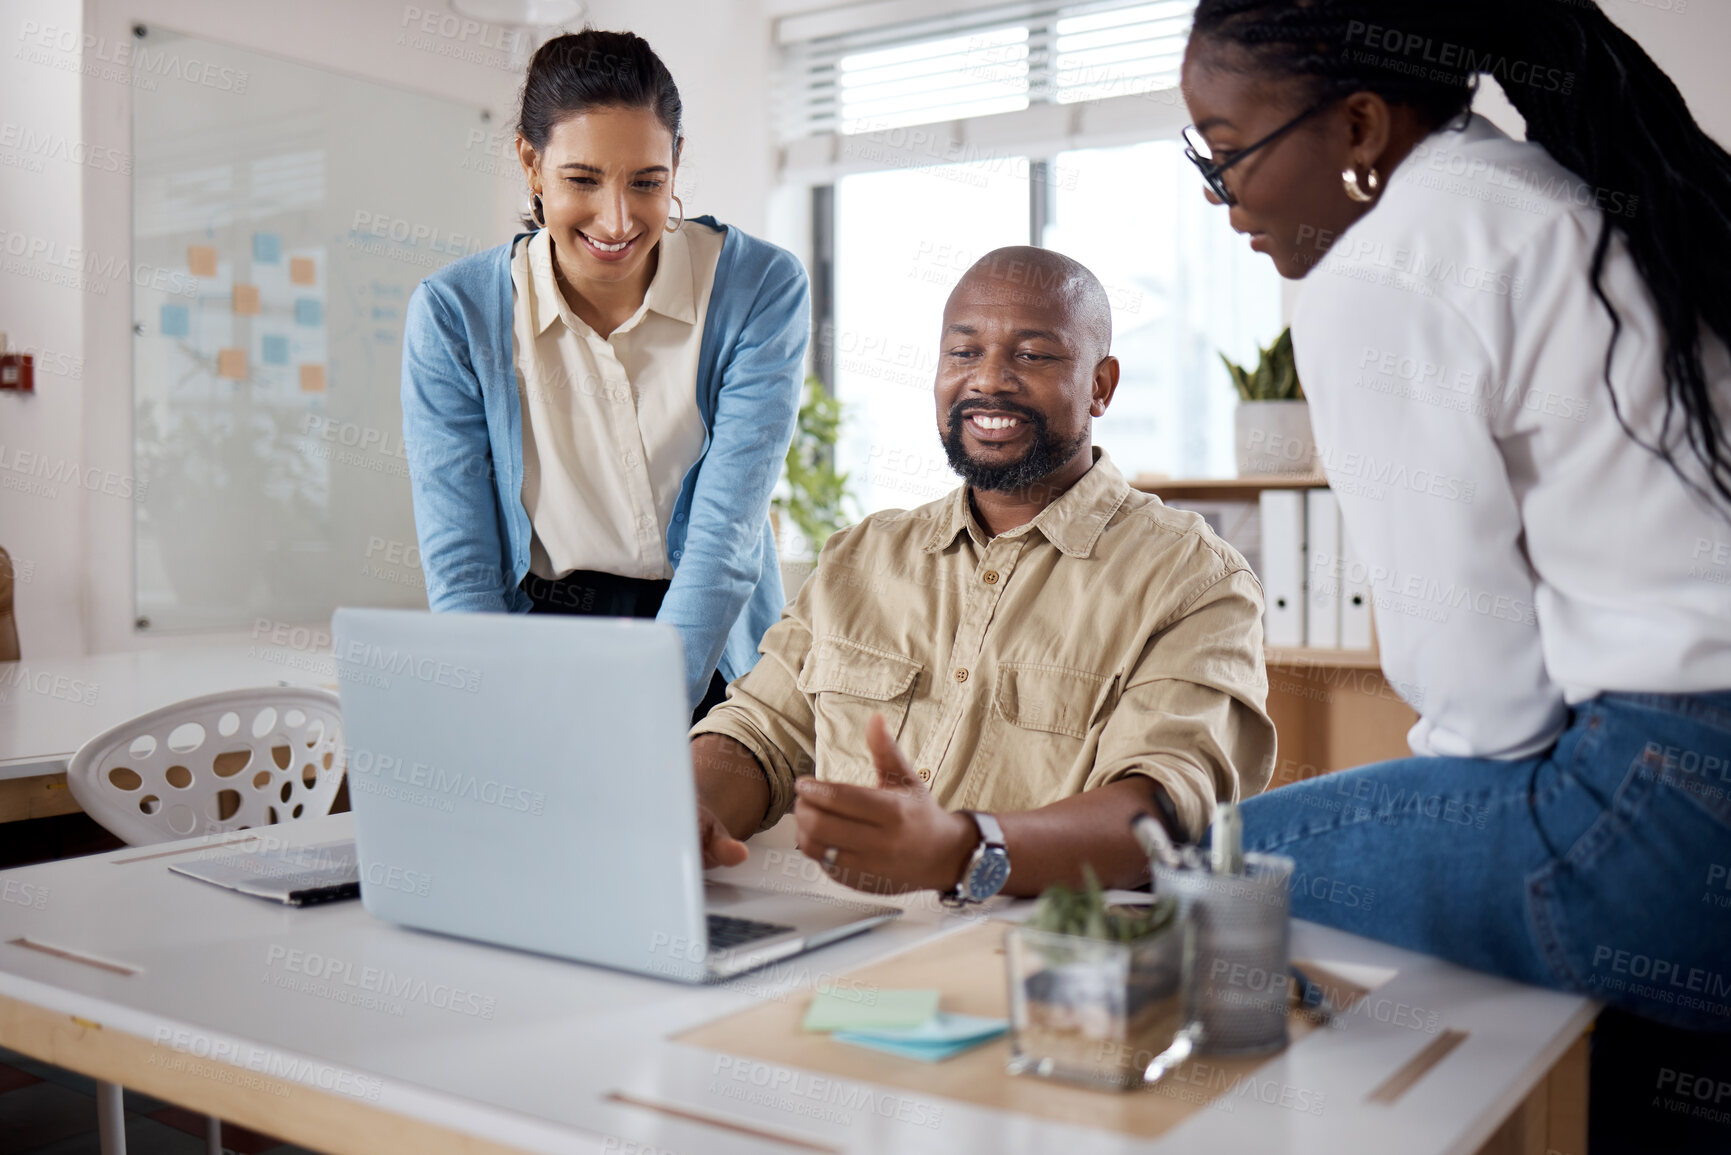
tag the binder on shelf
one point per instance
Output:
(1322, 569)
(1283, 566)
(1355, 597)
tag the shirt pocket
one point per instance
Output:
(848, 682)
(1050, 699)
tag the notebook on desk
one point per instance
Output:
(294, 876)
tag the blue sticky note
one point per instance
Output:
(274, 350)
(175, 321)
(944, 1036)
(267, 248)
(309, 311)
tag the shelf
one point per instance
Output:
(1224, 488)
(1312, 656)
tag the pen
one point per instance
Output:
(1226, 847)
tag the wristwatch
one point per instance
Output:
(988, 869)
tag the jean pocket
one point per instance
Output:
(1628, 914)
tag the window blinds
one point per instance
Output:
(838, 78)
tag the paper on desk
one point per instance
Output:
(944, 1035)
(869, 1009)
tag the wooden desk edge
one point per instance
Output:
(38, 796)
(322, 1120)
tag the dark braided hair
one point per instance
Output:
(580, 71)
(1597, 103)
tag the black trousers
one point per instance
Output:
(609, 595)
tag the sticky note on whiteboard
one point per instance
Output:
(201, 260)
(274, 349)
(303, 271)
(231, 363)
(267, 248)
(246, 300)
(176, 321)
(312, 378)
(309, 311)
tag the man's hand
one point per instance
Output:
(889, 839)
(731, 796)
(719, 847)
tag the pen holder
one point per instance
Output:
(1091, 1011)
(1238, 985)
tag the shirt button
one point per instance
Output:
(961, 675)
(631, 459)
(991, 577)
(645, 522)
(925, 775)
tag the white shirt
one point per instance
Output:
(1525, 554)
(610, 424)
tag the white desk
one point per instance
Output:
(51, 706)
(527, 1059)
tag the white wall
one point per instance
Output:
(41, 436)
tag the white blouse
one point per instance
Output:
(1525, 554)
(610, 424)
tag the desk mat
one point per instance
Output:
(968, 968)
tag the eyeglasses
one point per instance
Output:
(1214, 172)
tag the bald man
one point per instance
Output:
(977, 696)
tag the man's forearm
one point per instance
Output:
(1049, 845)
(730, 782)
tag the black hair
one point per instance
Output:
(579, 71)
(1597, 103)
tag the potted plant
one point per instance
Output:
(814, 497)
(1095, 990)
(1273, 419)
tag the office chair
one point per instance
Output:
(227, 761)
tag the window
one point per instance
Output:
(1184, 288)
(1054, 125)
(902, 238)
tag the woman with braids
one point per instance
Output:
(596, 412)
(1516, 358)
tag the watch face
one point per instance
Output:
(989, 874)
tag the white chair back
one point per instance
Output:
(227, 761)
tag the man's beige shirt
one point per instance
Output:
(1109, 636)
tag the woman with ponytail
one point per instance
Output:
(1516, 357)
(595, 413)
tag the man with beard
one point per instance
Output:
(980, 694)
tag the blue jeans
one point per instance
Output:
(1601, 867)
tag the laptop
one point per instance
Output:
(526, 781)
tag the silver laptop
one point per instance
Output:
(526, 781)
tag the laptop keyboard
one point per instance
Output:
(726, 932)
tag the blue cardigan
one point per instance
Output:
(462, 428)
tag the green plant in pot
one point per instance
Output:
(1273, 419)
(814, 497)
(1095, 989)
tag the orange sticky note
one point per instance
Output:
(231, 363)
(312, 378)
(201, 260)
(246, 299)
(302, 271)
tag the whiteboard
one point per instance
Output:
(282, 217)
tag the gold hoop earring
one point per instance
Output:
(681, 223)
(535, 213)
(1357, 191)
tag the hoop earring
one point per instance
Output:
(535, 213)
(1355, 190)
(681, 223)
